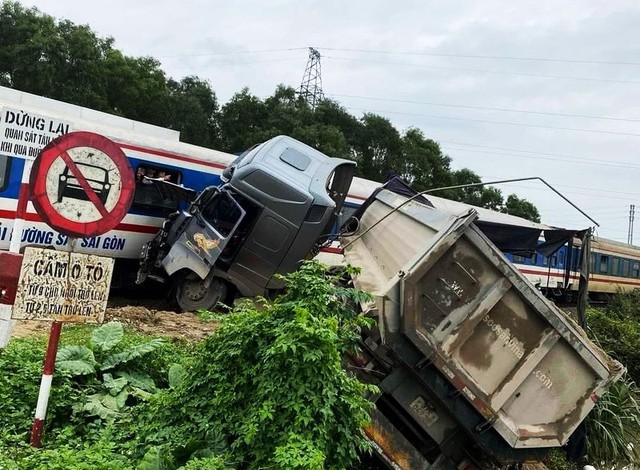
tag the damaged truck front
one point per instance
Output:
(276, 204)
(475, 367)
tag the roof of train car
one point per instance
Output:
(605, 243)
(120, 129)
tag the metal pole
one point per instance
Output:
(45, 384)
(583, 285)
(469, 186)
(632, 213)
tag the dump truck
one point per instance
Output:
(276, 205)
(475, 367)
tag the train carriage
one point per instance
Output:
(158, 153)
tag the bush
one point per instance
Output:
(613, 426)
(618, 333)
(270, 383)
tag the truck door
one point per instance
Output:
(206, 234)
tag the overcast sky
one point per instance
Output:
(510, 89)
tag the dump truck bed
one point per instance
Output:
(441, 285)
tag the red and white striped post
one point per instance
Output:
(45, 384)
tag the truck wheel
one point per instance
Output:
(193, 293)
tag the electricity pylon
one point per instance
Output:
(311, 86)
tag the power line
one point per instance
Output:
(485, 108)
(533, 157)
(500, 72)
(577, 158)
(259, 51)
(505, 123)
(602, 194)
(231, 63)
(475, 56)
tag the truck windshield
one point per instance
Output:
(222, 213)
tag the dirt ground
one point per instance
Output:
(144, 315)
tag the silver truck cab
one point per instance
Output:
(277, 202)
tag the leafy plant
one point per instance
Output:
(110, 364)
(160, 458)
(271, 382)
(613, 427)
(20, 375)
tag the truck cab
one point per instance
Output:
(276, 204)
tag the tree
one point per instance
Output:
(378, 149)
(331, 113)
(194, 111)
(27, 44)
(241, 122)
(521, 208)
(423, 165)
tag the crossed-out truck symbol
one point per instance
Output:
(69, 186)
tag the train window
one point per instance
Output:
(575, 259)
(147, 194)
(635, 269)
(554, 261)
(592, 262)
(625, 267)
(5, 165)
(604, 264)
(520, 259)
(615, 266)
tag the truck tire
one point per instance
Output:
(193, 294)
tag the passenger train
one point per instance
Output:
(28, 122)
(613, 267)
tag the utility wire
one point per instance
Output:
(476, 56)
(599, 194)
(505, 123)
(259, 51)
(577, 159)
(500, 72)
(555, 159)
(484, 108)
(233, 63)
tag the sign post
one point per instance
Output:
(81, 185)
(23, 135)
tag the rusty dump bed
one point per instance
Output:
(440, 283)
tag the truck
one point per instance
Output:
(276, 205)
(475, 367)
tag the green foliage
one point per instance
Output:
(67, 456)
(75, 440)
(21, 368)
(270, 381)
(613, 427)
(557, 460)
(206, 463)
(115, 389)
(522, 208)
(177, 375)
(160, 458)
(615, 420)
(156, 458)
(617, 330)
